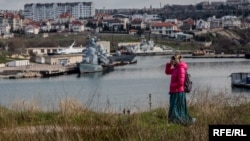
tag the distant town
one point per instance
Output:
(37, 32)
(173, 21)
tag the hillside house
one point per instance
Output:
(32, 29)
(138, 24)
(114, 25)
(102, 16)
(123, 18)
(64, 18)
(179, 23)
(188, 24)
(230, 22)
(201, 24)
(164, 28)
(76, 26)
(46, 26)
(214, 22)
(58, 27)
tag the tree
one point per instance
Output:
(140, 32)
(199, 7)
(17, 45)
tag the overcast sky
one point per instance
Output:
(99, 4)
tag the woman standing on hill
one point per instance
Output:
(178, 108)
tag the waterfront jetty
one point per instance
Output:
(217, 56)
(36, 70)
(44, 70)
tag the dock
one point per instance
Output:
(36, 70)
(45, 70)
(217, 56)
(240, 79)
(154, 53)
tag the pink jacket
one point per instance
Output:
(177, 76)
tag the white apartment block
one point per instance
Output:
(38, 11)
(11, 19)
(146, 17)
(236, 2)
(4, 29)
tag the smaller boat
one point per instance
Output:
(122, 57)
(203, 52)
(124, 63)
(247, 55)
(240, 79)
(149, 48)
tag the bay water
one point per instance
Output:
(127, 87)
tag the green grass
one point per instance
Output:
(62, 40)
(3, 59)
(65, 39)
(73, 121)
(7, 59)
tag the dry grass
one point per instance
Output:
(24, 120)
(71, 106)
(31, 105)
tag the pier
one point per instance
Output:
(44, 70)
(36, 70)
(216, 56)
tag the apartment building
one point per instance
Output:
(39, 11)
(11, 19)
(236, 2)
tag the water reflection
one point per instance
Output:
(93, 75)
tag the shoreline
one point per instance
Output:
(44, 70)
(36, 71)
(217, 56)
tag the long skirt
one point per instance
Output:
(178, 112)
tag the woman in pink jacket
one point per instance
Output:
(178, 108)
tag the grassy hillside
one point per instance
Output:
(227, 41)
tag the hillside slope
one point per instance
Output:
(229, 34)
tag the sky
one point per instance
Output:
(100, 4)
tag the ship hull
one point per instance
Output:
(89, 68)
(123, 58)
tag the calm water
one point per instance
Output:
(126, 87)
